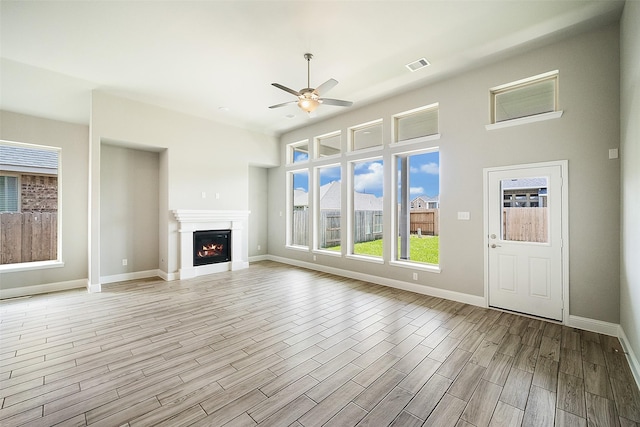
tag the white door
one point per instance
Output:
(524, 250)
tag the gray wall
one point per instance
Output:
(258, 202)
(630, 152)
(74, 173)
(129, 201)
(589, 96)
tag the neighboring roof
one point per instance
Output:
(330, 199)
(521, 183)
(427, 198)
(20, 159)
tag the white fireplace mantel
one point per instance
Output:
(202, 220)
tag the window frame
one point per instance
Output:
(350, 217)
(291, 152)
(290, 208)
(54, 263)
(414, 112)
(394, 255)
(318, 209)
(519, 84)
(361, 127)
(318, 144)
(17, 189)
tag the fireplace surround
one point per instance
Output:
(190, 221)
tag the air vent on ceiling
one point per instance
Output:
(416, 65)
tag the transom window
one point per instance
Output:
(328, 145)
(525, 98)
(367, 135)
(416, 123)
(298, 152)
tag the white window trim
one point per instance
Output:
(290, 149)
(413, 265)
(362, 126)
(27, 266)
(524, 120)
(319, 138)
(54, 263)
(317, 209)
(366, 258)
(395, 117)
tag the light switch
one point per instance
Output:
(463, 216)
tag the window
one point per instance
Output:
(525, 98)
(525, 212)
(329, 206)
(328, 145)
(367, 207)
(299, 205)
(416, 123)
(298, 152)
(29, 203)
(8, 193)
(367, 135)
(418, 199)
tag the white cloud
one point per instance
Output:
(368, 181)
(416, 190)
(430, 168)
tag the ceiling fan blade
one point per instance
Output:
(283, 104)
(325, 87)
(286, 89)
(338, 102)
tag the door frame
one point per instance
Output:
(564, 171)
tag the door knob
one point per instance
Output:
(495, 246)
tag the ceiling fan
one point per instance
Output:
(308, 97)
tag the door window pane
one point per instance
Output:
(525, 212)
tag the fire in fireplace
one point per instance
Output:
(212, 246)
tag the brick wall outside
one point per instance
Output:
(39, 193)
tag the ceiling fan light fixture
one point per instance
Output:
(308, 105)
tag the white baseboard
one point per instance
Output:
(632, 358)
(398, 284)
(592, 325)
(42, 289)
(168, 277)
(129, 276)
(258, 258)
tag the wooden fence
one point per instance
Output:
(525, 224)
(28, 237)
(426, 220)
(367, 226)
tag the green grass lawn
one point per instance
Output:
(424, 249)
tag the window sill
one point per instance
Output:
(433, 137)
(27, 266)
(525, 120)
(298, 248)
(365, 258)
(430, 268)
(327, 252)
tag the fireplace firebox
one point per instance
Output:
(211, 246)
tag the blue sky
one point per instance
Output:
(424, 178)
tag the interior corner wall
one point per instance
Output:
(589, 71)
(630, 157)
(200, 157)
(73, 139)
(129, 199)
(258, 202)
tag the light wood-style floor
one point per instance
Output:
(276, 345)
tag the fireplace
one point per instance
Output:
(211, 246)
(191, 221)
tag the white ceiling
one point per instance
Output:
(199, 57)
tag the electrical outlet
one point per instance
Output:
(314, 258)
(415, 276)
(204, 195)
(259, 247)
(124, 261)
